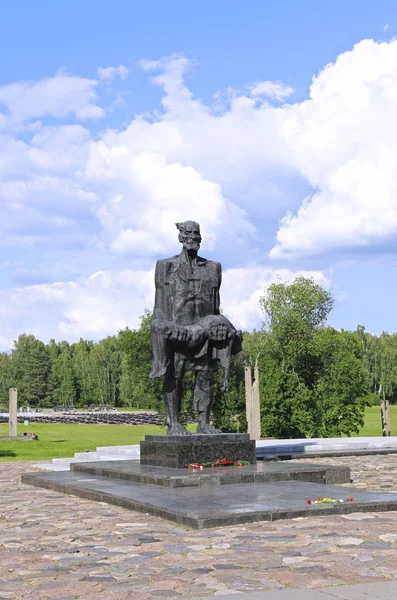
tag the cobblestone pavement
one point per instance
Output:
(62, 548)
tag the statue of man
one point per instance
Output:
(188, 331)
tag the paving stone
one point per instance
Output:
(48, 528)
(376, 544)
(227, 566)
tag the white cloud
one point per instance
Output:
(107, 301)
(107, 74)
(273, 89)
(150, 196)
(343, 140)
(386, 27)
(91, 307)
(327, 164)
(58, 96)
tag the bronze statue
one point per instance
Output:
(188, 331)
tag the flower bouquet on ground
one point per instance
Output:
(330, 500)
(224, 462)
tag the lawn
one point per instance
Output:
(62, 440)
(372, 423)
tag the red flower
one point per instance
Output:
(308, 502)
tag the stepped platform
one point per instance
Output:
(211, 504)
(264, 472)
(266, 450)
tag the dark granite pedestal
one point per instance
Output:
(176, 451)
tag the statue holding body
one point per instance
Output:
(188, 331)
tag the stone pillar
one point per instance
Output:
(12, 411)
(385, 416)
(248, 398)
(252, 403)
(256, 409)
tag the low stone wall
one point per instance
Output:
(106, 418)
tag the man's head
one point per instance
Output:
(189, 235)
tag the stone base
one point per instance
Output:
(216, 505)
(262, 472)
(175, 451)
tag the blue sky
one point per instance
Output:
(116, 119)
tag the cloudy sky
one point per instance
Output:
(272, 124)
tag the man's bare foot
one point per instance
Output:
(207, 429)
(177, 429)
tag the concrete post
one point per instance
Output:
(385, 416)
(252, 403)
(248, 398)
(13, 410)
(256, 409)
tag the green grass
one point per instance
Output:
(372, 423)
(62, 440)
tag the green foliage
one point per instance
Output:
(380, 360)
(5, 377)
(136, 389)
(105, 361)
(341, 384)
(300, 307)
(312, 378)
(84, 375)
(30, 369)
(228, 410)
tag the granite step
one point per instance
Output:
(219, 505)
(102, 456)
(262, 472)
(133, 450)
(265, 449)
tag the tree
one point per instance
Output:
(5, 377)
(341, 386)
(228, 410)
(304, 366)
(53, 387)
(31, 365)
(64, 370)
(83, 372)
(105, 360)
(136, 389)
(380, 362)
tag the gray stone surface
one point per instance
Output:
(188, 331)
(49, 541)
(366, 591)
(262, 472)
(178, 451)
(216, 506)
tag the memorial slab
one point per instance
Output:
(262, 472)
(202, 507)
